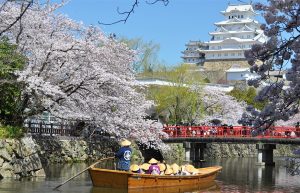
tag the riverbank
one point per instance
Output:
(26, 157)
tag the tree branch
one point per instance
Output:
(131, 11)
(18, 18)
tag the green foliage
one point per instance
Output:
(11, 132)
(178, 102)
(247, 95)
(10, 97)
(206, 80)
(147, 55)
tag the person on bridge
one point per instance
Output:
(297, 129)
(124, 155)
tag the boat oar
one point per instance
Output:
(82, 171)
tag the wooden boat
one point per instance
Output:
(206, 187)
(128, 180)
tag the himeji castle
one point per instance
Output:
(237, 33)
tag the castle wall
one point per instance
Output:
(222, 65)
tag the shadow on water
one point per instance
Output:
(209, 187)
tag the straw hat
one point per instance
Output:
(189, 168)
(134, 167)
(145, 166)
(125, 142)
(153, 161)
(175, 167)
(168, 166)
(169, 171)
(162, 167)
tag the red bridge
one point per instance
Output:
(279, 132)
(195, 138)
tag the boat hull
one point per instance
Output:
(120, 179)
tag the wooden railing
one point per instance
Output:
(61, 129)
(43, 128)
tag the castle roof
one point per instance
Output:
(236, 21)
(238, 8)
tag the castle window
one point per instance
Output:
(226, 54)
(219, 47)
(242, 16)
(232, 54)
(219, 55)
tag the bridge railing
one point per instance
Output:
(231, 131)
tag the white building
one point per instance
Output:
(237, 33)
(191, 54)
(236, 73)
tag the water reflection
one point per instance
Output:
(208, 188)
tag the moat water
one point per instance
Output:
(238, 175)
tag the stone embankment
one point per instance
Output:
(24, 157)
(20, 158)
(218, 150)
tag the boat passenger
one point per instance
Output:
(124, 155)
(169, 172)
(175, 169)
(145, 168)
(154, 168)
(135, 169)
(191, 169)
(162, 168)
(183, 170)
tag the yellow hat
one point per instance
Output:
(175, 167)
(153, 161)
(162, 167)
(168, 166)
(125, 142)
(145, 166)
(189, 168)
(134, 167)
(169, 171)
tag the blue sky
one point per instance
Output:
(169, 26)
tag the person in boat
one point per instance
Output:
(145, 168)
(154, 168)
(191, 169)
(175, 169)
(162, 168)
(124, 155)
(183, 170)
(135, 169)
(169, 172)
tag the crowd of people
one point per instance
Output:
(154, 167)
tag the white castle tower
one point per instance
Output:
(236, 33)
(191, 54)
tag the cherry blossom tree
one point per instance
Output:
(221, 106)
(280, 52)
(77, 73)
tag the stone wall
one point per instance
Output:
(24, 157)
(66, 150)
(20, 158)
(220, 150)
(222, 65)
